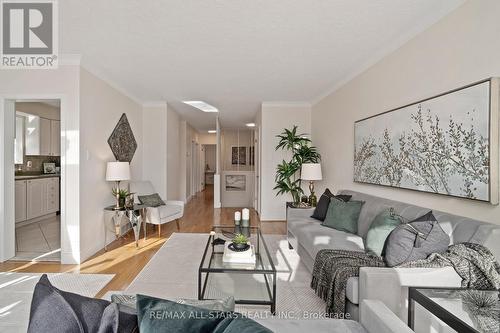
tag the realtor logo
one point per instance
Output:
(29, 34)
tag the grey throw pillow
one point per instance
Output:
(152, 200)
(343, 216)
(415, 240)
(225, 305)
(323, 203)
(54, 310)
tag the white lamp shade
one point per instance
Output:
(117, 171)
(311, 171)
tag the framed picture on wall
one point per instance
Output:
(447, 144)
(236, 183)
(238, 155)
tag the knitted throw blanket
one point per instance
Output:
(474, 263)
(332, 269)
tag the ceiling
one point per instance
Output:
(235, 54)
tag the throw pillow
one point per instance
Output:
(415, 240)
(152, 200)
(323, 203)
(159, 315)
(225, 305)
(239, 324)
(54, 310)
(381, 227)
(343, 215)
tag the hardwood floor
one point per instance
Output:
(125, 260)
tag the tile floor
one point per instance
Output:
(39, 241)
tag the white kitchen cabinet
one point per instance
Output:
(39, 197)
(43, 136)
(20, 199)
(55, 137)
(36, 198)
(52, 191)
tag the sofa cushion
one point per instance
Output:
(316, 325)
(380, 229)
(169, 210)
(323, 203)
(343, 215)
(151, 200)
(352, 291)
(314, 237)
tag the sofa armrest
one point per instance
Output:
(176, 203)
(377, 318)
(390, 285)
(299, 213)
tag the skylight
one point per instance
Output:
(200, 105)
(212, 131)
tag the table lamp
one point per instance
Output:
(311, 172)
(116, 172)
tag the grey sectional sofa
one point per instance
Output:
(389, 285)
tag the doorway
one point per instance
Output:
(209, 167)
(37, 163)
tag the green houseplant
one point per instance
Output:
(121, 194)
(240, 241)
(288, 172)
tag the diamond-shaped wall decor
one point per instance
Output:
(122, 141)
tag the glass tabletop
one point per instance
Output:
(479, 309)
(213, 257)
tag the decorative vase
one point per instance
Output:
(121, 202)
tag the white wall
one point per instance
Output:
(210, 157)
(274, 118)
(459, 50)
(154, 156)
(174, 176)
(236, 138)
(101, 106)
(61, 83)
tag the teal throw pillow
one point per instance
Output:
(343, 215)
(239, 324)
(159, 315)
(152, 200)
(383, 224)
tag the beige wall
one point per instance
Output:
(235, 138)
(101, 106)
(173, 156)
(460, 49)
(154, 156)
(274, 118)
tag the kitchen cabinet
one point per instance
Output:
(36, 198)
(43, 136)
(20, 199)
(55, 137)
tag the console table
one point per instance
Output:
(130, 215)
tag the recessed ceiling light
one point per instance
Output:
(250, 125)
(212, 131)
(200, 105)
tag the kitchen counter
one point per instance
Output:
(39, 176)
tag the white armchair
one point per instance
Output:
(172, 210)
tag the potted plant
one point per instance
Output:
(240, 242)
(288, 172)
(122, 195)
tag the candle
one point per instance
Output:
(237, 216)
(246, 214)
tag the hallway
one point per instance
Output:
(125, 260)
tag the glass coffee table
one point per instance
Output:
(253, 284)
(458, 307)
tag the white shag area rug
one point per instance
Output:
(16, 291)
(173, 273)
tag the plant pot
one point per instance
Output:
(239, 246)
(121, 202)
